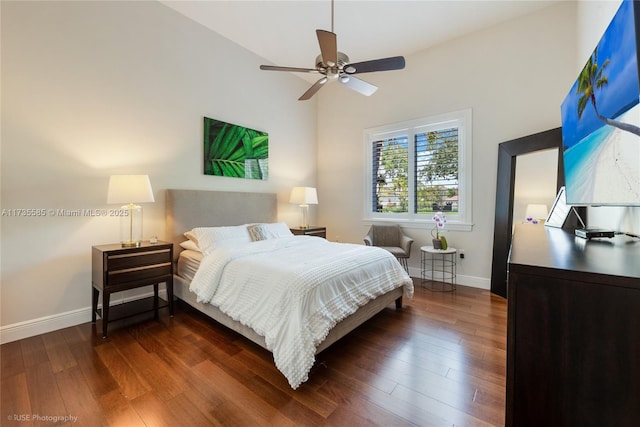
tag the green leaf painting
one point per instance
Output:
(235, 151)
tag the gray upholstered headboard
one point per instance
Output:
(186, 209)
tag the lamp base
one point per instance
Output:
(305, 216)
(131, 226)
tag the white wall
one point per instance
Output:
(593, 19)
(514, 77)
(91, 89)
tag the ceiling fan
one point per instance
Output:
(334, 65)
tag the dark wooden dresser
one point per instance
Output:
(573, 340)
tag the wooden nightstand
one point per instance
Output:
(313, 230)
(115, 269)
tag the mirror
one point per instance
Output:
(535, 185)
(503, 225)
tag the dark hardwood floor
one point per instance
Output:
(440, 361)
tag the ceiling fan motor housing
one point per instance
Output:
(332, 72)
(337, 67)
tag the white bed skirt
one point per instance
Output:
(364, 313)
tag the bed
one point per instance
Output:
(188, 210)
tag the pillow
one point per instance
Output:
(274, 230)
(210, 238)
(277, 229)
(189, 235)
(257, 232)
(190, 245)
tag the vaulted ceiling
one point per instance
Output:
(283, 31)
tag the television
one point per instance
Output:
(601, 119)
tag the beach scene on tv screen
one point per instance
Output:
(601, 121)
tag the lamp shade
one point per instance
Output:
(129, 189)
(537, 211)
(304, 196)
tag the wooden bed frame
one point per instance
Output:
(186, 209)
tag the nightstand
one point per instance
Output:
(115, 269)
(312, 230)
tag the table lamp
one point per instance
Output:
(304, 196)
(130, 189)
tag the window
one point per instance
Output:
(417, 168)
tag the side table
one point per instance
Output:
(438, 266)
(116, 269)
(312, 230)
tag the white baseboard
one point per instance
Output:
(30, 328)
(472, 281)
(42, 325)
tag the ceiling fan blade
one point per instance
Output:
(293, 69)
(358, 85)
(328, 47)
(384, 64)
(313, 89)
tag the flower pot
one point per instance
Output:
(440, 243)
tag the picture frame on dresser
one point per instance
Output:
(559, 211)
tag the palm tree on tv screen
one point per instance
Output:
(591, 78)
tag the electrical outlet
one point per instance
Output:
(461, 253)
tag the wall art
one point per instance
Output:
(235, 151)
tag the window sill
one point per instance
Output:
(420, 224)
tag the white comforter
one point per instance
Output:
(293, 290)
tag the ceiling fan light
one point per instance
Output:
(350, 69)
(323, 80)
(344, 78)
